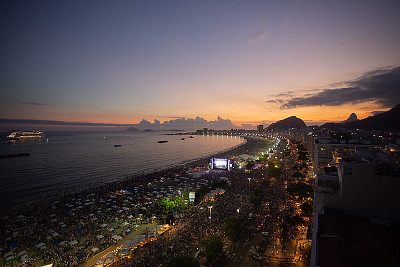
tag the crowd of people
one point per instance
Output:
(70, 228)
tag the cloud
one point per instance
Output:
(376, 112)
(381, 86)
(179, 123)
(187, 124)
(258, 37)
(247, 126)
(34, 104)
(56, 123)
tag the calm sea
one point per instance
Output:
(63, 160)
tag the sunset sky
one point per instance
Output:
(251, 62)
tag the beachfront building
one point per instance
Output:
(260, 129)
(327, 151)
(355, 207)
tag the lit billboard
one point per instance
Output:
(221, 164)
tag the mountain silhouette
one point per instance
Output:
(387, 121)
(288, 123)
(353, 117)
(133, 129)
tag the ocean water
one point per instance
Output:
(63, 160)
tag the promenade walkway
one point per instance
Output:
(142, 229)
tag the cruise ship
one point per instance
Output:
(20, 135)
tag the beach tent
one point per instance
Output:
(127, 244)
(116, 237)
(124, 252)
(23, 256)
(41, 245)
(10, 259)
(134, 244)
(142, 238)
(8, 254)
(13, 245)
(109, 258)
(100, 262)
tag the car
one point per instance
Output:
(265, 233)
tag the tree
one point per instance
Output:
(166, 205)
(266, 183)
(303, 155)
(288, 226)
(300, 190)
(184, 261)
(232, 227)
(250, 165)
(298, 175)
(200, 193)
(274, 168)
(307, 209)
(214, 246)
(256, 201)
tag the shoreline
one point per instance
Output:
(66, 204)
(137, 178)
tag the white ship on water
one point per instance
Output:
(20, 135)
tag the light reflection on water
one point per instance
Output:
(76, 159)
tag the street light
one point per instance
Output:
(238, 210)
(210, 207)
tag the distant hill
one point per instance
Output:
(133, 129)
(288, 123)
(353, 117)
(388, 121)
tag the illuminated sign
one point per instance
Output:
(192, 196)
(221, 164)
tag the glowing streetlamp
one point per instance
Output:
(210, 207)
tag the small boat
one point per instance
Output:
(191, 137)
(117, 145)
(14, 155)
(162, 142)
(182, 138)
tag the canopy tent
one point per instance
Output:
(23, 256)
(41, 245)
(116, 237)
(94, 249)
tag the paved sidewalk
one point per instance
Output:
(139, 231)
